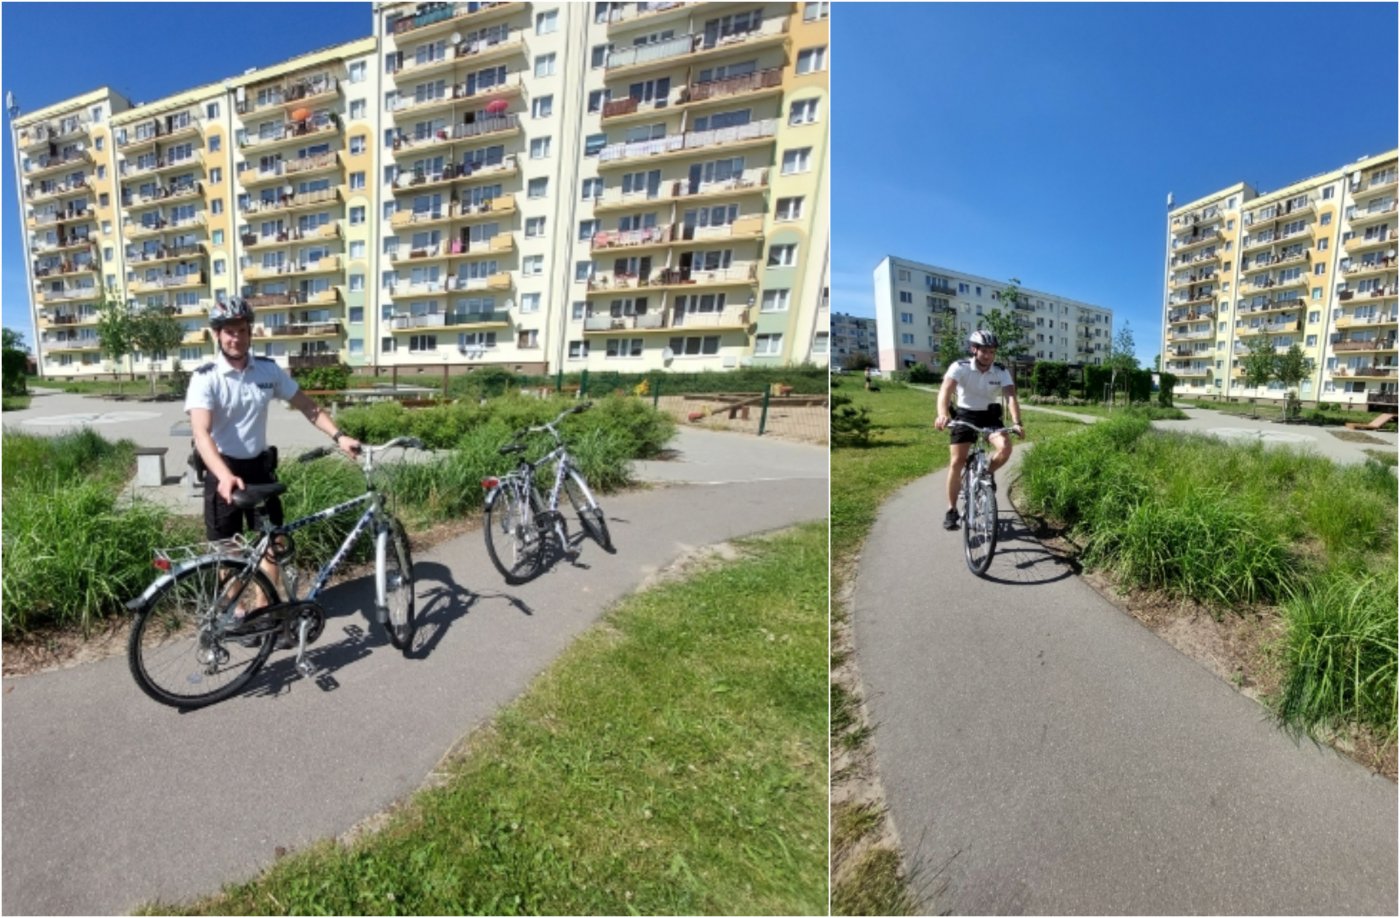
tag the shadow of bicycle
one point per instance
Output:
(1022, 559)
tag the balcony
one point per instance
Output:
(694, 47)
(1276, 305)
(410, 323)
(406, 109)
(1270, 328)
(325, 265)
(285, 169)
(130, 170)
(749, 226)
(324, 232)
(170, 282)
(1371, 215)
(1379, 182)
(64, 268)
(631, 239)
(74, 343)
(653, 14)
(732, 318)
(503, 206)
(148, 133)
(1368, 346)
(58, 190)
(47, 165)
(1373, 241)
(1193, 279)
(1352, 320)
(1386, 371)
(321, 126)
(1187, 315)
(452, 284)
(164, 195)
(303, 92)
(166, 253)
(35, 136)
(452, 248)
(287, 203)
(67, 215)
(493, 126)
(1207, 335)
(743, 274)
(60, 319)
(475, 53)
(325, 297)
(1190, 243)
(298, 330)
(64, 294)
(1379, 266)
(676, 145)
(445, 17)
(411, 182)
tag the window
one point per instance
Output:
(215, 143)
(216, 175)
(542, 107)
(624, 347)
(418, 343)
(527, 338)
(905, 296)
(532, 265)
(544, 65)
(358, 71)
(357, 283)
(578, 350)
(907, 318)
(216, 206)
(587, 229)
(357, 250)
(789, 209)
(599, 57)
(694, 346)
(546, 22)
(592, 189)
(357, 315)
(211, 111)
(772, 345)
(357, 181)
(596, 100)
(782, 256)
(104, 199)
(534, 226)
(776, 300)
(578, 310)
(821, 343)
(529, 302)
(795, 161)
(357, 216)
(357, 109)
(803, 111)
(810, 60)
(815, 11)
(1327, 193)
(357, 144)
(538, 187)
(98, 142)
(219, 266)
(539, 148)
(1322, 243)
(217, 239)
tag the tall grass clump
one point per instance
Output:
(62, 459)
(1340, 652)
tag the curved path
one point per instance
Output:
(111, 800)
(1043, 753)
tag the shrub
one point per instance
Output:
(12, 371)
(335, 377)
(849, 426)
(1050, 378)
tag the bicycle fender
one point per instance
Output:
(139, 602)
(491, 497)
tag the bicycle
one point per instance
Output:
(188, 647)
(979, 500)
(521, 522)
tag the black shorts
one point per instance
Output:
(223, 520)
(989, 418)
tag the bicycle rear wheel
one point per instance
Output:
(980, 526)
(590, 515)
(398, 588)
(175, 651)
(514, 543)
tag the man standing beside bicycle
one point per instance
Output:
(228, 401)
(980, 383)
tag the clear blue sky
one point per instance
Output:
(144, 51)
(1039, 141)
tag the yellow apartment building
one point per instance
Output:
(542, 187)
(1312, 264)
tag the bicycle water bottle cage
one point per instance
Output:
(255, 495)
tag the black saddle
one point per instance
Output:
(258, 494)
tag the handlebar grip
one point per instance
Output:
(412, 443)
(315, 454)
(580, 409)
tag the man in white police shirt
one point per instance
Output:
(980, 383)
(228, 402)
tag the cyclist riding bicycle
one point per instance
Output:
(980, 383)
(228, 401)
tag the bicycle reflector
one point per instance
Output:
(490, 483)
(161, 564)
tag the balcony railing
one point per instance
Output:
(59, 189)
(325, 231)
(458, 92)
(484, 127)
(613, 239)
(315, 126)
(170, 280)
(165, 253)
(293, 201)
(653, 321)
(734, 86)
(446, 319)
(437, 16)
(168, 193)
(305, 89)
(297, 329)
(1377, 344)
(132, 170)
(321, 265)
(513, 43)
(45, 164)
(157, 128)
(696, 43)
(690, 140)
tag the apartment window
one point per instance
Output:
(357, 181)
(357, 250)
(532, 265)
(215, 143)
(216, 175)
(599, 57)
(356, 315)
(1319, 270)
(387, 345)
(803, 111)
(1327, 193)
(782, 256)
(418, 343)
(357, 283)
(768, 345)
(217, 238)
(216, 206)
(546, 22)
(587, 229)
(583, 270)
(539, 148)
(814, 11)
(357, 216)
(578, 350)
(544, 65)
(358, 108)
(98, 142)
(905, 296)
(102, 172)
(1317, 293)
(789, 208)
(795, 161)
(107, 228)
(578, 310)
(906, 318)
(211, 111)
(97, 114)
(103, 199)
(592, 189)
(596, 99)
(694, 346)
(534, 226)
(529, 302)
(537, 188)
(528, 338)
(775, 300)
(811, 60)
(542, 107)
(1322, 243)
(357, 144)
(219, 266)
(624, 347)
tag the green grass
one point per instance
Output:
(1151, 412)
(15, 402)
(874, 887)
(673, 761)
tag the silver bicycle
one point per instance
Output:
(208, 623)
(522, 522)
(979, 500)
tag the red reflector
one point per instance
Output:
(162, 564)
(489, 483)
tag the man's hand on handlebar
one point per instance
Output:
(941, 422)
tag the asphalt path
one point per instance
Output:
(1043, 753)
(111, 800)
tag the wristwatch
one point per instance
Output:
(335, 437)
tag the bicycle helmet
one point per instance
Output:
(982, 338)
(232, 310)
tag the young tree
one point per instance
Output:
(1122, 357)
(951, 347)
(155, 330)
(114, 326)
(1259, 365)
(1291, 368)
(15, 363)
(1004, 324)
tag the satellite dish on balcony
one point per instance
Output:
(456, 38)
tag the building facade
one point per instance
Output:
(539, 186)
(851, 335)
(1312, 264)
(911, 300)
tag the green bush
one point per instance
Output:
(13, 363)
(1166, 382)
(1050, 378)
(335, 377)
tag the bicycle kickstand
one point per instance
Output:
(303, 665)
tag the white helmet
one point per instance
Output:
(232, 310)
(982, 338)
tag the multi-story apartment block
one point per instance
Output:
(911, 300)
(851, 335)
(541, 186)
(1312, 264)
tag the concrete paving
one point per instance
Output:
(111, 800)
(1043, 753)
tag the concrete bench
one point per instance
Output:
(150, 466)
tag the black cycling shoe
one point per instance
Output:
(950, 520)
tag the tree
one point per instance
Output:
(155, 330)
(951, 347)
(1259, 364)
(858, 360)
(114, 327)
(14, 341)
(1291, 368)
(1004, 324)
(14, 363)
(1122, 357)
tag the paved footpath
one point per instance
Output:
(111, 800)
(1043, 753)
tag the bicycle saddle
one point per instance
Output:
(253, 495)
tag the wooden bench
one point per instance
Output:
(1376, 424)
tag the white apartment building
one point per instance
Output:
(851, 335)
(911, 299)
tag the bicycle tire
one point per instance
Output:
(590, 513)
(521, 549)
(980, 527)
(398, 588)
(172, 644)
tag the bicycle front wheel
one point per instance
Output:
(590, 515)
(398, 588)
(514, 543)
(980, 527)
(176, 653)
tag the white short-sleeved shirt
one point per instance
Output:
(239, 400)
(978, 391)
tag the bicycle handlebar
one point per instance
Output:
(366, 448)
(982, 430)
(548, 426)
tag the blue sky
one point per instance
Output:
(145, 51)
(1039, 141)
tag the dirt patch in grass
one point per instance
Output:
(801, 423)
(1357, 436)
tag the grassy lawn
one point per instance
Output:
(1155, 412)
(673, 761)
(15, 402)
